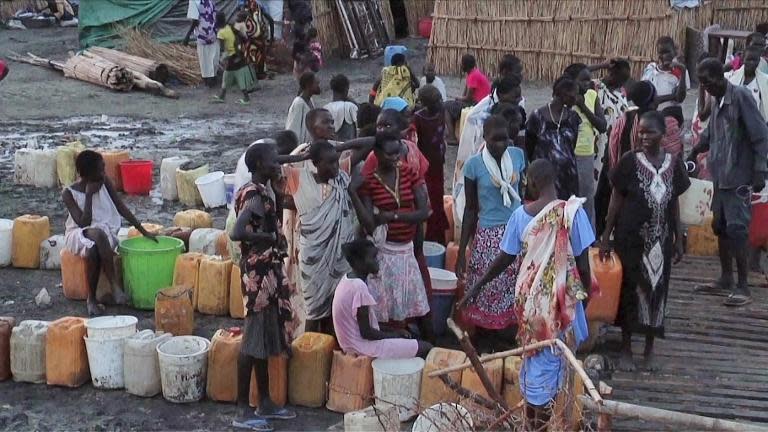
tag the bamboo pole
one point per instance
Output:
(579, 370)
(671, 418)
(478, 367)
(494, 356)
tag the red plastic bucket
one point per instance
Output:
(136, 176)
(758, 228)
(425, 27)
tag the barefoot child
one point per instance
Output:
(343, 109)
(94, 219)
(302, 104)
(237, 73)
(356, 326)
(552, 280)
(270, 320)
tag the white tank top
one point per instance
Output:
(103, 211)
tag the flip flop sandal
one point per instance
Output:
(217, 100)
(280, 414)
(714, 289)
(737, 300)
(243, 102)
(254, 424)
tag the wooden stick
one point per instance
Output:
(604, 420)
(467, 394)
(671, 418)
(477, 366)
(579, 370)
(494, 356)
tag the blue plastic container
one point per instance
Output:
(444, 285)
(435, 254)
(392, 50)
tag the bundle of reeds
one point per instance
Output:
(181, 60)
(153, 69)
(97, 70)
(416, 10)
(9, 7)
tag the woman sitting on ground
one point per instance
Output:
(94, 210)
(357, 328)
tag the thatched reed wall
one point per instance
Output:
(330, 30)
(8, 8)
(548, 35)
(416, 10)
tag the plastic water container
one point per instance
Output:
(203, 240)
(390, 51)
(168, 167)
(136, 176)
(372, 419)
(105, 359)
(6, 326)
(148, 267)
(396, 382)
(28, 232)
(112, 159)
(443, 416)
(695, 202)
(141, 368)
(444, 285)
(65, 162)
(28, 351)
(185, 184)
(6, 246)
(67, 364)
(432, 388)
(435, 254)
(183, 368)
(36, 168)
(229, 185)
(608, 273)
(193, 219)
(50, 252)
(111, 327)
(212, 189)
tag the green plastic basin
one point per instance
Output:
(148, 267)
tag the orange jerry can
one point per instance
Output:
(236, 301)
(174, 313)
(222, 365)
(278, 382)
(604, 306)
(471, 381)
(185, 272)
(213, 285)
(112, 159)
(74, 276)
(310, 369)
(27, 234)
(150, 227)
(222, 245)
(6, 325)
(67, 361)
(432, 389)
(702, 241)
(511, 388)
(448, 208)
(351, 385)
(193, 219)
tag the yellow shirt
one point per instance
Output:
(585, 142)
(227, 35)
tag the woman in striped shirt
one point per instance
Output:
(391, 202)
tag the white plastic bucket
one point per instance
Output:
(183, 368)
(443, 280)
(229, 186)
(105, 359)
(396, 382)
(212, 189)
(168, 167)
(435, 254)
(141, 370)
(443, 416)
(6, 245)
(372, 419)
(203, 240)
(111, 327)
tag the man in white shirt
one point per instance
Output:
(203, 16)
(750, 77)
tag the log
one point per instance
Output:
(681, 421)
(152, 69)
(95, 70)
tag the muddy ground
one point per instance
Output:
(41, 109)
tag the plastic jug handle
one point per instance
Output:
(235, 331)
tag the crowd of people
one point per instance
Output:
(335, 209)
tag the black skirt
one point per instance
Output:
(262, 335)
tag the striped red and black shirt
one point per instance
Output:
(385, 200)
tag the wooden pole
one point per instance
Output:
(494, 356)
(476, 364)
(579, 370)
(604, 420)
(467, 394)
(670, 418)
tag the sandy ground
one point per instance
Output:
(41, 109)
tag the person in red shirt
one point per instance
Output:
(391, 202)
(3, 70)
(477, 87)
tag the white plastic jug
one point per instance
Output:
(184, 368)
(141, 368)
(396, 382)
(111, 327)
(105, 360)
(442, 280)
(203, 240)
(168, 167)
(28, 351)
(229, 185)
(50, 252)
(212, 189)
(372, 419)
(35, 167)
(6, 245)
(443, 416)
(695, 202)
